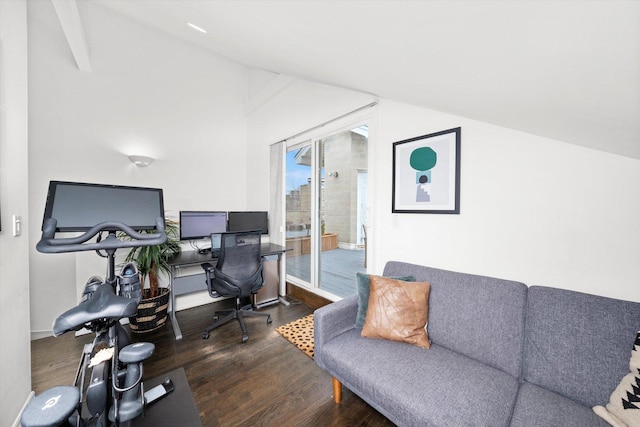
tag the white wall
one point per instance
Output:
(146, 94)
(532, 209)
(540, 211)
(15, 350)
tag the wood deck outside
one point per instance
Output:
(338, 269)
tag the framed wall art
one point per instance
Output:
(426, 174)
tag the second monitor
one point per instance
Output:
(249, 220)
(196, 225)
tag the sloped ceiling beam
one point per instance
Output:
(277, 85)
(69, 17)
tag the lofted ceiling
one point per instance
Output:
(562, 69)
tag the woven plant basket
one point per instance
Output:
(152, 313)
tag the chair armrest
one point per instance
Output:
(208, 269)
(333, 320)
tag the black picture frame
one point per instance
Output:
(426, 174)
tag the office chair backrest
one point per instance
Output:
(240, 254)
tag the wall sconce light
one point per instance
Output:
(141, 161)
(333, 174)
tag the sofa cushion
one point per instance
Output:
(480, 317)
(543, 408)
(414, 387)
(578, 344)
(364, 282)
(624, 404)
(398, 311)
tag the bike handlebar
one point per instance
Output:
(49, 244)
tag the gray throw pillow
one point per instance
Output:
(364, 284)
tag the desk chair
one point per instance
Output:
(238, 274)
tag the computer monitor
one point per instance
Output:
(249, 220)
(196, 225)
(78, 206)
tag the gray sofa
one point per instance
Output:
(502, 354)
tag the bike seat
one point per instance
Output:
(103, 304)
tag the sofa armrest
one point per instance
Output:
(333, 320)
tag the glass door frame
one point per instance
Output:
(313, 139)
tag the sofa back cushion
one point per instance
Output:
(577, 344)
(480, 317)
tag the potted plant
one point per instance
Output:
(151, 261)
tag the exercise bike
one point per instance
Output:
(108, 389)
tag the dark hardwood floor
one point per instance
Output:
(266, 381)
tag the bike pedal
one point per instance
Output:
(159, 391)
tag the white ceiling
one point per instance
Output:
(565, 69)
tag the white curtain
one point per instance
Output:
(276, 206)
(276, 211)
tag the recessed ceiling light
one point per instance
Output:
(195, 27)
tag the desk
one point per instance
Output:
(194, 282)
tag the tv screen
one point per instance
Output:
(201, 224)
(249, 220)
(77, 207)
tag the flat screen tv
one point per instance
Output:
(249, 220)
(77, 206)
(196, 225)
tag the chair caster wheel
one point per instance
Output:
(269, 320)
(205, 336)
(245, 338)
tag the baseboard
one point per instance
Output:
(306, 297)
(17, 423)
(36, 335)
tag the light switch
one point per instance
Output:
(17, 225)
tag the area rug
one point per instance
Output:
(299, 333)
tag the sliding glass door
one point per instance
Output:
(326, 199)
(299, 215)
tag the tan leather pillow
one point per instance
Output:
(398, 311)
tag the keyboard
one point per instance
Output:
(215, 253)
